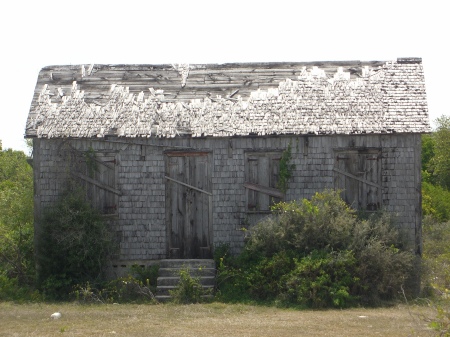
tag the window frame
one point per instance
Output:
(261, 177)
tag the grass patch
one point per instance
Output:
(213, 319)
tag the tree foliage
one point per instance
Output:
(16, 217)
(436, 224)
(436, 154)
(441, 158)
(435, 201)
(436, 171)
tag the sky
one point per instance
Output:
(35, 34)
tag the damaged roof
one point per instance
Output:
(221, 100)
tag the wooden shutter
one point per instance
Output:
(262, 173)
(358, 175)
(103, 192)
(96, 172)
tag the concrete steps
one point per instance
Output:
(169, 270)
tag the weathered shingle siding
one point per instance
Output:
(141, 224)
(401, 177)
(142, 207)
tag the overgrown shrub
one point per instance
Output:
(189, 289)
(266, 278)
(122, 290)
(232, 281)
(436, 273)
(74, 246)
(318, 253)
(12, 290)
(146, 275)
(323, 223)
(384, 264)
(129, 289)
(322, 279)
(138, 286)
(221, 253)
(436, 257)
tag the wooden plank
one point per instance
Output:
(186, 153)
(356, 178)
(96, 183)
(176, 209)
(187, 185)
(210, 217)
(264, 178)
(371, 168)
(264, 189)
(143, 83)
(251, 175)
(162, 71)
(200, 176)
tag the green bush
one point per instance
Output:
(323, 223)
(146, 275)
(436, 201)
(234, 275)
(436, 257)
(266, 277)
(74, 246)
(318, 253)
(436, 273)
(221, 253)
(189, 289)
(384, 264)
(322, 279)
(12, 290)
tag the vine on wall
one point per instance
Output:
(286, 169)
(91, 161)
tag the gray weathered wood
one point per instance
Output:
(187, 185)
(359, 177)
(356, 178)
(96, 183)
(189, 205)
(265, 190)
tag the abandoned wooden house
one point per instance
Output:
(187, 155)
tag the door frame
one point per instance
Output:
(169, 180)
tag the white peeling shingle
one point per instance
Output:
(390, 98)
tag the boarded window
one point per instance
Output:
(96, 172)
(102, 189)
(261, 178)
(358, 174)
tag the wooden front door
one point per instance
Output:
(188, 205)
(358, 176)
